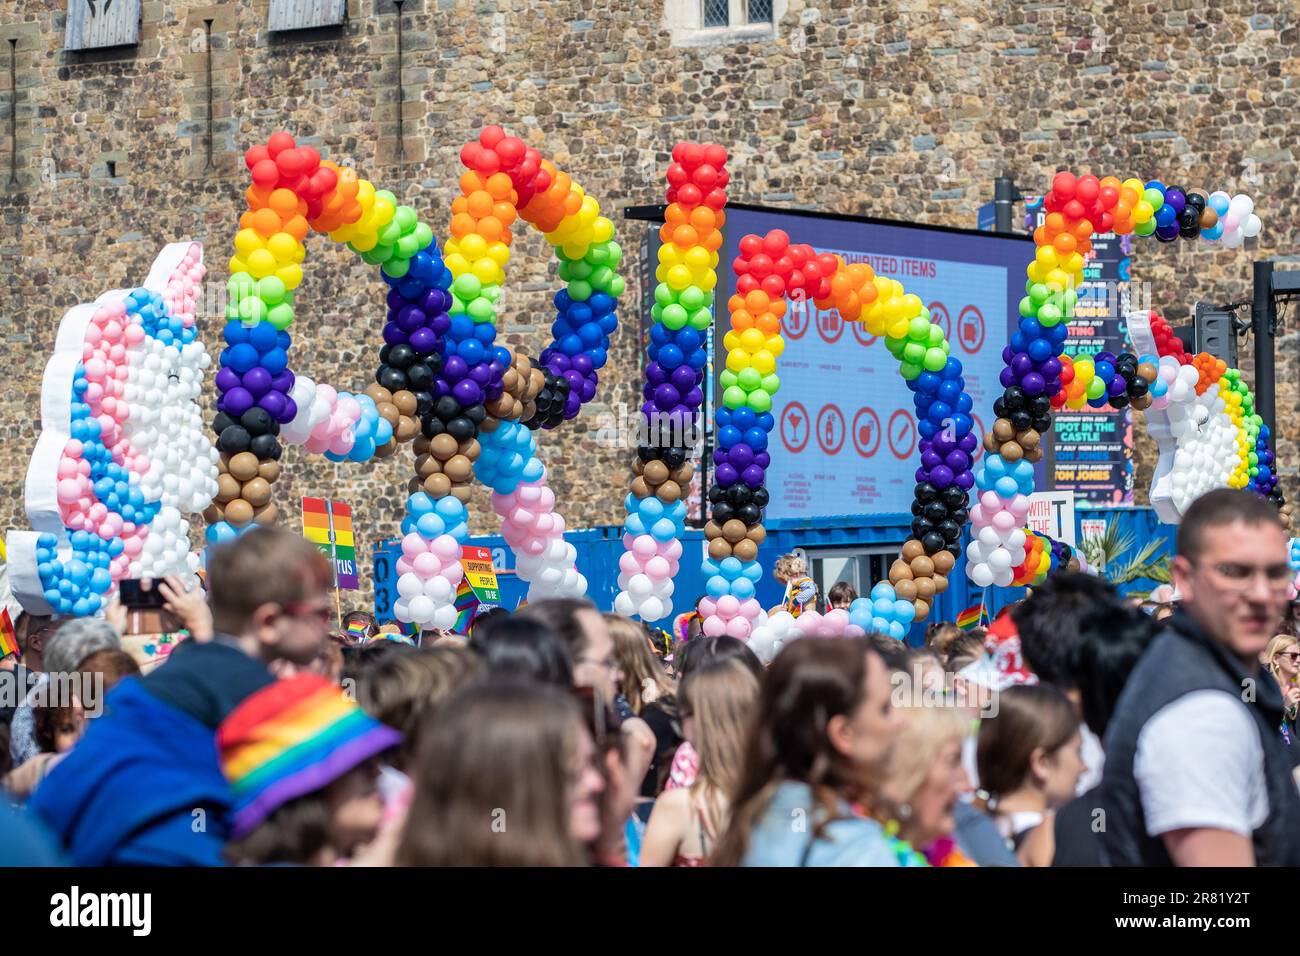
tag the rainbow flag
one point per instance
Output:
(466, 605)
(328, 525)
(356, 630)
(971, 616)
(8, 637)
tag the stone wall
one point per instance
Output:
(906, 109)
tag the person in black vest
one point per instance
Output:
(1196, 774)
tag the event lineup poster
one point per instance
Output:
(846, 437)
(1093, 447)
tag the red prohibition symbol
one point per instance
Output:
(866, 432)
(830, 325)
(970, 329)
(795, 322)
(939, 316)
(902, 434)
(830, 429)
(795, 427)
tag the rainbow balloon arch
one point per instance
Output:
(472, 407)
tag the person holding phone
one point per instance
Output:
(1282, 658)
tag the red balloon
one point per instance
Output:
(1074, 210)
(784, 266)
(813, 270)
(677, 152)
(739, 266)
(692, 155)
(1064, 184)
(1051, 203)
(828, 263)
(1109, 196)
(760, 265)
(310, 159)
(799, 254)
(324, 180)
(715, 155)
(797, 280)
(511, 151)
(773, 286)
(677, 175)
(705, 176)
(1086, 189)
(717, 197)
(469, 155)
(776, 242)
(751, 245)
(266, 174)
(746, 284)
(255, 155)
(689, 195)
(290, 162)
(491, 135)
(278, 143)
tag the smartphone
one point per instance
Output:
(139, 593)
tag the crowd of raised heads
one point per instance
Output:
(558, 735)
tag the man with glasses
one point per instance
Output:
(1196, 774)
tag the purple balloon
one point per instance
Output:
(1033, 384)
(582, 363)
(283, 383)
(1022, 364)
(274, 403)
(968, 442)
(941, 442)
(922, 475)
(655, 374)
(588, 389)
(424, 340)
(238, 401)
(964, 481)
(431, 301)
(726, 475)
(666, 397)
(1007, 377)
(1104, 357)
(481, 374)
(258, 381)
(467, 392)
(930, 459)
(753, 476)
(1008, 353)
(694, 398)
(763, 459)
(393, 334)
(227, 378)
(1050, 368)
(411, 318)
(1116, 387)
(455, 369)
(721, 456)
(441, 323)
(957, 461)
(741, 455)
(289, 413)
(683, 378)
(941, 476)
(441, 388)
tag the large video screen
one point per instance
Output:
(846, 437)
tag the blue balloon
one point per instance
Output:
(241, 358)
(742, 588)
(730, 567)
(883, 607)
(651, 508)
(430, 525)
(263, 337)
(664, 530)
(1006, 487)
(883, 591)
(716, 586)
(752, 571)
(904, 611)
(897, 630)
(450, 509)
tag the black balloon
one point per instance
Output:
(723, 512)
(461, 428)
(423, 402)
(950, 530)
(1189, 222)
(749, 514)
(936, 511)
(1040, 406)
(476, 414)
(932, 542)
(419, 377)
(1119, 401)
(1196, 201)
(257, 421)
(674, 458)
(918, 507)
(222, 422)
(1014, 397)
(1043, 425)
(646, 452)
(1137, 388)
(446, 408)
(926, 491)
(954, 496)
(384, 352)
(716, 493)
(921, 527)
(739, 494)
(1020, 421)
(999, 408)
(761, 497)
(431, 426)
(401, 356)
(234, 439)
(265, 447)
(961, 516)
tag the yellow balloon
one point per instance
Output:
(697, 257)
(261, 263)
(457, 264)
(737, 360)
(602, 230)
(731, 340)
(290, 275)
(679, 277)
(237, 265)
(500, 253)
(283, 246)
(752, 340)
(247, 240)
(486, 270)
(776, 345)
(473, 246)
(764, 362)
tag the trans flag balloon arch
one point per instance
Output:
(123, 454)
(470, 406)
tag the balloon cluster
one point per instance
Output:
(137, 458)
(884, 612)
(1293, 562)
(683, 313)
(772, 633)
(1043, 556)
(1038, 378)
(536, 534)
(429, 569)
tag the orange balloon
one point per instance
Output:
(257, 197)
(768, 324)
(505, 211)
(285, 202)
(490, 228)
(462, 224)
(470, 182)
(459, 205)
(685, 237)
(297, 227)
(675, 215)
(499, 186)
(480, 203)
(703, 218)
(741, 320)
(757, 300)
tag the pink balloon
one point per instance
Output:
(1004, 521)
(738, 627)
(672, 550)
(977, 516)
(522, 517)
(413, 544)
(645, 546)
(990, 500)
(426, 565)
(751, 609)
(1020, 506)
(446, 548)
(658, 569)
(714, 626)
(628, 564)
(707, 607)
(728, 606)
(404, 566)
(453, 573)
(68, 490)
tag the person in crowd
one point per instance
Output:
(302, 761)
(814, 761)
(692, 656)
(359, 626)
(1196, 772)
(1109, 645)
(186, 601)
(841, 595)
(1282, 659)
(128, 793)
(19, 672)
(402, 689)
(512, 646)
(924, 781)
(1029, 758)
(647, 692)
(791, 571)
(360, 659)
(508, 775)
(73, 642)
(961, 649)
(718, 702)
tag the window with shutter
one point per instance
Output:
(305, 14)
(95, 24)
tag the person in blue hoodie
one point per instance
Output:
(144, 786)
(815, 760)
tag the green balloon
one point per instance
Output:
(770, 384)
(935, 340)
(918, 329)
(1145, 228)
(491, 292)
(615, 252)
(467, 287)
(388, 195)
(663, 294)
(232, 311)
(598, 254)
(1049, 315)
(1039, 292)
(617, 286)
(406, 218)
(1254, 459)
(692, 298)
(281, 316)
(1027, 308)
(913, 353)
(602, 276)
(749, 379)
(389, 235)
(480, 310)
(701, 319)
(1155, 197)
(408, 245)
(657, 312)
(423, 235)
(909, 371)
(579, 269)
(397, 267)
(935, 359)
(580, 290)
(727, 379)
(271, 290)
(675, 316)
(1096, 388)
(252, 309)
(895, 346)
(760, 401)
(735, 397)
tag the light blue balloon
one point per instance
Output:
(1023, 470)
(753, 571)
(742, 588)
(995, 466)
(52, 597)
(459, 531)
(383, 432)
(730, 567)
(632, 504)
(904, 611)
(664, 530)
(883, 591)
(419, 503)
(100, 580)
(534, 470)
(1006, 487)
(429, 526)
(1218, 203)
(634, 525)
(879, 625)
(897, 630)
(716, 586)
(709, 566)
(95, 602)
(408, 525)
(860, 606)
(652, 509)
(677, 510)
(883, 608)
(450, 509)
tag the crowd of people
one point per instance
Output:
(558, 735)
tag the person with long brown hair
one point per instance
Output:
(823, 736)
(507, 776)
(1030, 759)
(647, 692)
(717, 709)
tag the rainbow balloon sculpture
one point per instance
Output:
(123, 456)
(470, 405)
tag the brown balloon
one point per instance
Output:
(1034, 455)
(1147, 372)
(510, 380)
(501, 406)
(420, 446)
(427, 465)
(943, 561)
(443, 446)
(990, 443)
(1143, 402)
(900, 570)
(922, 609)
(712, 530)
(912, 549)
(223, 462)
(734, 530)
(214, 513)
(270, 470)
(1003, 430)
(536, 382)
(256, 491)
(388, 412)
(378, 393)
(1209, 217)
(719, 549)
(638, 466)
(470, 449)
(1011, 451)
(757, 534)
(461, 493)
(244, 466)
(406, 402)
(267, 514)
(656, 472)
(906, 590)
(227, 487)
(940, 583)
(640, 488)
(669, 491)
(239, 512)
(745, 550)
(489, 424)
(407, 428)
(1029, 438)
(683, 474)
(386, 449)
(458, 468)
(437, 485)
(922, 566)
(414, 485)
(925, 588)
